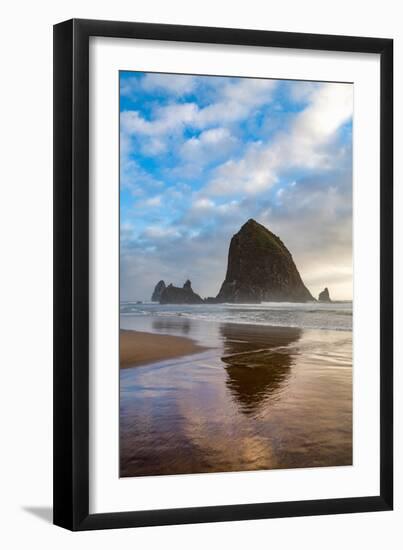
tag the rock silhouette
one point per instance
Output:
(158, 290)
(324, 296)
(176, 295)
(261, 269)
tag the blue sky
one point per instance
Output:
(200, 155)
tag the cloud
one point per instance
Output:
(154, 201)
(205, 148)
(314, 219)
(174, 84)
(167, 119)
(158, 232)
(307, 144)
(203, 204)
(331, 106)
(201, 160)
(135, 179)
(206, 213)
(234, 100)
(162, 131)
(301, 92)
(251, 174)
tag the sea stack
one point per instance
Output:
(158, 290)
(176, 295)
(261, 269)
(324, 296)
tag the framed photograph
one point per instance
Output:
(223, 321)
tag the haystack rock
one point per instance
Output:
(324, 296)
(261, 269)
(176, 295)
(158, 290)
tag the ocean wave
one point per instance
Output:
(334, 316)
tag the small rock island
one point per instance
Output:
(158, 290)
(324, 296)
(178, 295)
(260, 268)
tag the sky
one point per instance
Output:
(200, 155)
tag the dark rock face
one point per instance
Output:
(261, 269)
(324, 296)
(188, 285)
(176, 295)
(158, 290)
(210, 300)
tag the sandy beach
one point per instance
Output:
(140, 348)
(282, 397)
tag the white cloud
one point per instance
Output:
(126, 233)
(305, 145)
(314, 222)
(154, 201)
(312, 216)
(135, 179)
(174, 83)
(169, 118)
(300, 92)
(235, 99)
(210, 145)
(231, 100)
(203, 204)
(157, 232)
(250, 175)
(208, 140)
(153, 146)
(214, 136)
(204, 211)
(331, 106)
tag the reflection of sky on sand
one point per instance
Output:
(260, 398)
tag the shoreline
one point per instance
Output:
(137, 348)
(334, 316)
(281, 396)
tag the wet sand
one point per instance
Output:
(255, 397)
(140, 348)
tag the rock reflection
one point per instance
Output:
(258, 362)
(172, 325)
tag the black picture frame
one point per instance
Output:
(71, 274)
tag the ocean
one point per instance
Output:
(312, 315)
